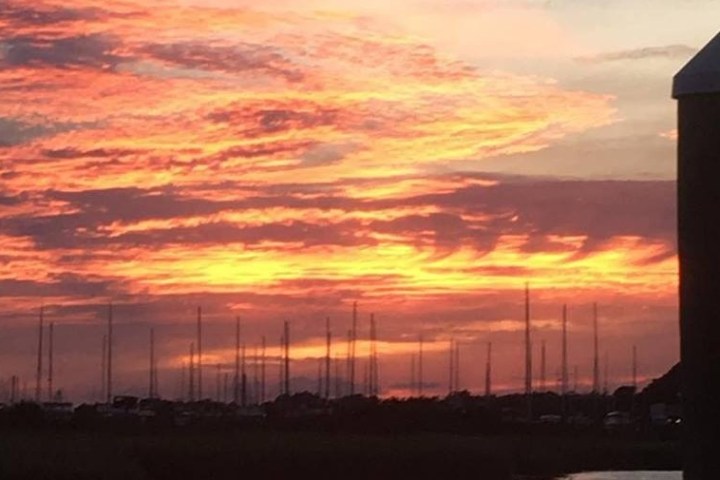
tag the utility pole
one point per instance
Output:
(38, 375)
(199, 353)
(353, 349)
(543, 366)
(262, 372)
(14, 387)
(287, 358)
(256, 375)
(606, 388)
(50, 362)
(225, 388)
(451, 377)
(236, 382)
(319, 389)
(109, 390)
(528, 354)
(457, 366)
(634, 367)
(218, 380)
(281, 366)
(191, 373)
(413, 382)
(348, 359)
(420, 366)
(151, 389)
(103, 368)
(243, 379)
(183, 392)
(375, 360)
(577, 379)
(327, 357)
(488, 371)
(338, 390)
(564, 375)
(596, 352)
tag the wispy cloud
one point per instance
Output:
(274, 162)
(670, 52)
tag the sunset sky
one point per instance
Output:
(280, 160)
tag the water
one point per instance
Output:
(627, 476)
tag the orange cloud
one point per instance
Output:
(262, 161)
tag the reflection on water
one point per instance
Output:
(627, 476)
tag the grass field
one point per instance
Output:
(72, 455)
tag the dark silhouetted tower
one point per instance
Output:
(697, 89)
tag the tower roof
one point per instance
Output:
(701, 74)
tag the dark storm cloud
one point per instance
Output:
(271, 120)
(476, 215)
(327, 154)
(304, 233)
(600, 209)
(260, 151)
(65, 153)
(15, 132)
(445, 230)
(88, 51)
(65, 284)
(16, 15)
(12, 200)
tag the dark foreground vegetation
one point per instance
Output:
(269, 455)
(356, 437)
